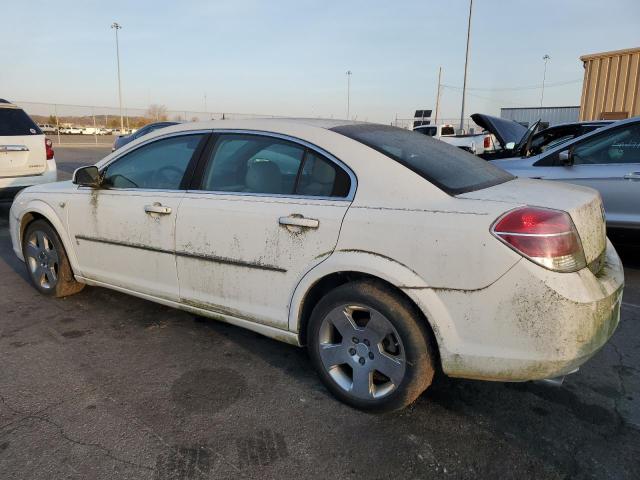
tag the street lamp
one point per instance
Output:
(546, 58)
(348, 92)
(117, 27)
(466, 62)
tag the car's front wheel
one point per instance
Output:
(47, 262)
(370, 347)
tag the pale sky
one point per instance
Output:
(291, 57)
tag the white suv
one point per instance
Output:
(26, 155)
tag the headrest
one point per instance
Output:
(263, 176)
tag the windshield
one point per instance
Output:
(14, 121)
(449, 168)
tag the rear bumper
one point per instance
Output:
(10, 186)
(530, 324)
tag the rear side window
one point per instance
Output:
(14, 121)
(447, 167)
(249, 163)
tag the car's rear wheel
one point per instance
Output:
(47, 262)
(370, 347)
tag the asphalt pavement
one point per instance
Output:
(101, 385)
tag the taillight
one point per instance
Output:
(545, 236)
(487, 141)
(48, 146)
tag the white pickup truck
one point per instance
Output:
(476, 143)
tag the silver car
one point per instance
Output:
(607, 159)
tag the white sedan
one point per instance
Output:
(390, 255)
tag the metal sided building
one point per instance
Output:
(611, 85)
(548, 116)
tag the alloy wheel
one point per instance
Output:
(42, 259)
(362, 352)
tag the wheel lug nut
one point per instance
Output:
(355, 340)
(371, 355)
(366, 342)
(361, 360)
(352, 351)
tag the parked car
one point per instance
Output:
(48, 128)
(476, 143)
(387, 253)
(135, 134)
(26, 155)
(607, 159)
(71, 130)
(533, 142)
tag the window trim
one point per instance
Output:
(188, 173)
(195, 185)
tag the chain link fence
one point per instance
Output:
(86, 124)
(97, 123)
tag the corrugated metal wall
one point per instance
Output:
(550, 115)
(611, 86)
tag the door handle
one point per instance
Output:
(157, 208)
(297, 220)
(632, 176)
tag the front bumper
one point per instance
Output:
(530, 324)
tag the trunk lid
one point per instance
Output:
(503, 129)
(22, 155)
(583, 204)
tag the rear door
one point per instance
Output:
(266, 210)
(22, 147)
(608, 162)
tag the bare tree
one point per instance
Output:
(157, 112)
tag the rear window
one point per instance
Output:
(449, 168)
(14, 121)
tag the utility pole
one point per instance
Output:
(117, 27)
(348, 92)
(466, 62)
(205, 102)
(438, 95)
(546, 58)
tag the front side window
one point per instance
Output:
(261, 164)
(620, 145)
(157, 165)
(447, 167)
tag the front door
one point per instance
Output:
(609, 163)
(124, 233)
(267, 210)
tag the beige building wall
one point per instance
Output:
(611, 85)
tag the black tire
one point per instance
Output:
(47, 262)
(414, 342)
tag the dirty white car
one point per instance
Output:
(388, 254)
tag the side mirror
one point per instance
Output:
(87, 177)
(510, 145)
(566, 157)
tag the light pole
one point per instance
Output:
(546, 58)
(348, 92)
(466, 62)
(117, 27)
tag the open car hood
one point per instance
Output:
(504, 130)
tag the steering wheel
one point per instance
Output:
(168, 176)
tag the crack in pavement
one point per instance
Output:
(63, 433)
